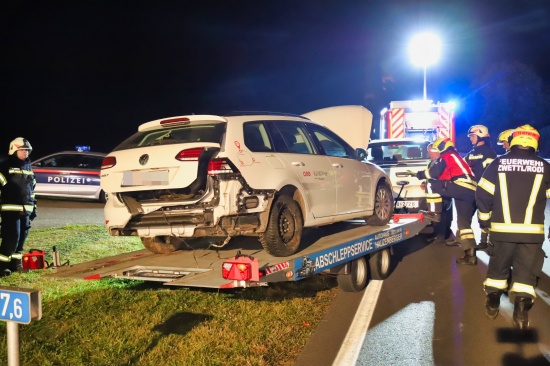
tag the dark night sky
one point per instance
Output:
(89, 72)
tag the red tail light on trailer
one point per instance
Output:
(241, 268)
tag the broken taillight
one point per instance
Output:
(220, 166)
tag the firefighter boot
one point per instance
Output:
(492, 304)
(521, 310)
(468, 258)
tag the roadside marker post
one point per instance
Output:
(18, 305)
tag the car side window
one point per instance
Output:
(331, 144)
(61, 161)
(256, 137)
(90, 162)
(295, 137)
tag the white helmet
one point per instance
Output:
(19, 144)
(478, 130)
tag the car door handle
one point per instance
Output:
(337, 165)
(298, 163)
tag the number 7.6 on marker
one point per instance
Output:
(20, 305)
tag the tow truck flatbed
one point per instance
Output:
(328, 248)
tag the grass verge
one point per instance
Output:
(121, 322)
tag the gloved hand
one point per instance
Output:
(484, 243)
(33, 214)
(411, 173)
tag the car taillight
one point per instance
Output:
(241, 268)
(108, 162)
(189, 154)
(174, 121)
(220, 166)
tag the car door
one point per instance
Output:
(353, 178)
(52, 174)
(84, 178)
(315, 171)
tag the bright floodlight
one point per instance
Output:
(425, 49)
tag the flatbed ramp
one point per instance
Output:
(323, 248)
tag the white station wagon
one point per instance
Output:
(217, 177)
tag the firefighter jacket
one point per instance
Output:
(479, 159)
(449, 167)
(17, 185)
(511, 196)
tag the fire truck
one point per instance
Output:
(418, 119)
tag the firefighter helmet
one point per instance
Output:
(504, 136)
(19, 143)
(478, 130)
(526, 136)
(441, 145)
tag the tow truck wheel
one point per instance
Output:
(383, 206)
(357, 279)
(160, 245)
(379, 264)
(284, 230)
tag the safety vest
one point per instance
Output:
(17, 184)
(479, 159)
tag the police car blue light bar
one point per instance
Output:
(81, 148)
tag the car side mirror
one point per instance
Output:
(361, 153)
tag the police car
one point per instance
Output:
(262, 175)
(70, 174)
(397, 156)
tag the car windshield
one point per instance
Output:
(395, 151)
(176, 135)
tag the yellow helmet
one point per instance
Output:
(504, 135)
(441, 145)
(479, 131)
(526, 136)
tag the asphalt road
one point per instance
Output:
(431, 311)
(58, 212)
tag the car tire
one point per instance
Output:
(383, 206)
(102, 198)
(380, 264)
(357, 279)
(284, 229)
(160, 245)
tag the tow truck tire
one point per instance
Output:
(284, 230)
(379, 264)
(383, 206)
(160, 245)
(358, 278)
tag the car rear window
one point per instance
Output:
(176, 135)
(395, 151)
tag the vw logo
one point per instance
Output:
(143, 159)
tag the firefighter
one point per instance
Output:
(511, 199)
(17, 204)
(503, 139)
(452, 178)
(482, 153)
(442, 229)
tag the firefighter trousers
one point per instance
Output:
(14, 230)
(527, 260)
(465, 204)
